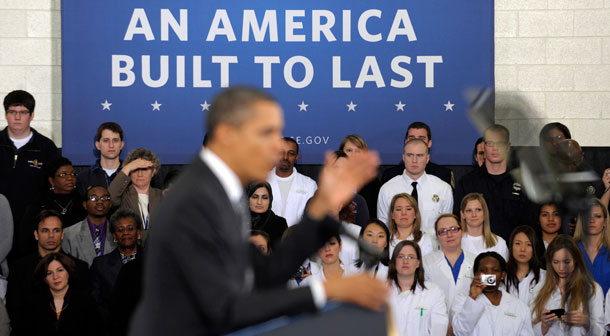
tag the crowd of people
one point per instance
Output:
(472, 256)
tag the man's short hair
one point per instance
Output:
(498, 129)
(416, 141)
(111, 126)
(419, 125)
(124, 213)
(44, 214)
(289, 139)
(232, 107)
(19, 98)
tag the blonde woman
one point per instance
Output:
(593, 240)
(478, 237)
(405, 224)
(567, 286)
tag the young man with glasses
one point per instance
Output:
(23, 154)
(508, 205)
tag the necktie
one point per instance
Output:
(414, 192)
(97, 242)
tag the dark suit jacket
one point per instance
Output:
(196, 263)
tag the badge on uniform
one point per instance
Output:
(516, 189)
(590, 190)
(435, 198)
(511, 314)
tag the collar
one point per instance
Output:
(227, 177)
(274, 174)
(97, 165)
(410, 180)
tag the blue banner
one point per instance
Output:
(336, 67)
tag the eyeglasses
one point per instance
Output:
(554, 138)
(95, 198)
(122, 229)
(22, 113)
(497, 144)
(444, 232)
(64, 174)
(404, 257)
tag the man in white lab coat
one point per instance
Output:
(291, 190)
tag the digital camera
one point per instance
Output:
(488, 279)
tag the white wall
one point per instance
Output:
(555, 53)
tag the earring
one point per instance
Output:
(115, 241)
(52, 187)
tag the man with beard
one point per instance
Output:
(91, 237)
(291, 190)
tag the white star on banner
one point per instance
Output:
(303, 106)
(400, 106)
(156, 106)
(106, 105)
(205, 106)
(351, 106)
(449, 106)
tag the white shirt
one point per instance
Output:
(21, 142)
(526, 287)
(476, 245)
(109, 172)
(596, 314)
(301, 190)
(317, 273)
(438, 271)
(349, 248)
(426, 244)
(434, 198)
(607, 318)
(481, 317)
(422, 312)
(143, 205)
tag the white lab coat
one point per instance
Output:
(301, 190)
(596, 314)
(526, 287)
(317, 273)
(419, 313)
(437, 270)
(468, 244)
(426, 244)
(381, 274)
(481, 317)
(607, 319)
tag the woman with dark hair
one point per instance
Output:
(378, 235)
(523, 269)
(260, 198)
(488, 309)
(549, 219)
(330, 266)
(550, 136)
(568, 287)
(56, 308)
(418, 306)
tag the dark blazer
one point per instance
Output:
(197, 260)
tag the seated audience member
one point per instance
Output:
(593, 239)
(421, 131)
(6, 243)
(508, 205)
(523, 269)
(263, 218)
(260, 240)
(478, 236)
(365, 201)
(571, 159)
(109, 142)
(405, 224)
(125, 296)
(125, 227)
(549, 218)
(451, 267)
(91, 237)
(419, 304)
(378, 235)
(607, 316)
(567, 286)
(57, 307)
(478, 153)
(432, 194)
(330, 265)
(291, 189)
(551, 135)
(131, 188)
(48, 232)
(23, 154)
(488, 309)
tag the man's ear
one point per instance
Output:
(36, 234)
(97, 145)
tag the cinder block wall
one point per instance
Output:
(554, 53)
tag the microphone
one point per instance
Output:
(369, 255)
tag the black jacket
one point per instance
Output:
(94, 176)
(270, 223)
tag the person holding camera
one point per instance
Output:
(487, 309)
(569, 300)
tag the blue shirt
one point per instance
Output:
(455, 269)
(600, 267)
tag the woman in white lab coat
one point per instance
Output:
(568, 285)
(405, 223)
(523, 271)
(331, 265)
(477, 232)
(487, 309)
(451, 267)
(378, 235)
(418, 307)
